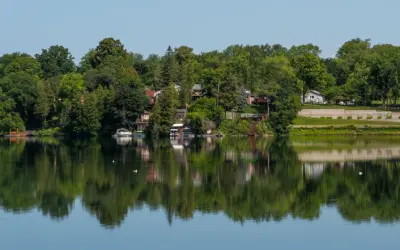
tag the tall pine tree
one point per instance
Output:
(164, 112)
(170, 68)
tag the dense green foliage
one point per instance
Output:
(50, 92)
(47, 88)
(246, 179)
(205, 115)
(163, 116)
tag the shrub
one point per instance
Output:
(359, 117)
(235, 127)
(47, 132)
(389, 117)
(263, 128)
(379, 117)
(369, 117)
(349, 117)
(339, 118)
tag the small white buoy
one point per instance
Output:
(360, 173)
(113, 161)
(135, 171)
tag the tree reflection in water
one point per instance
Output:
(247, 179)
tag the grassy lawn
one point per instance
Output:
(332, 106)
(319, 121)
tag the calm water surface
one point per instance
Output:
(234, 193)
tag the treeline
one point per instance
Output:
(52, 177)
(107, 89)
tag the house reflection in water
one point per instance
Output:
(313, 170)
(245, 164)
(315, 162)
(143, 150)
(155, 173)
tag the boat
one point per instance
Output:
(187, 133)
(176, 130)
(122, 132)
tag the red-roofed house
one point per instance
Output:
(152, 95)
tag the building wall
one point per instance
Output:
(313, 98)
(355, 114)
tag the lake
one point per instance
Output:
(230, 193)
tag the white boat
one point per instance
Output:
(122, 132)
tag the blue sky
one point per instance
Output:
(149, 26)
(142, 229)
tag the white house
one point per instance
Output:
(313, 96)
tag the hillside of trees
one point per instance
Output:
(106, 90)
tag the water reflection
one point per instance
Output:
(247, 179)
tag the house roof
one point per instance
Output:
(150, 93)
(197, 87)
(315, 92)
(177, 87)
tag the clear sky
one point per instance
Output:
(149, 26)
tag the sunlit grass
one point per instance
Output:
(333, 122)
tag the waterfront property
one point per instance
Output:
(313, 97)
(152, 95)
(143, 121)
(197, 92)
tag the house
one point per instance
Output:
(152, 95)
(313, 97)
(143, 121)
(180, 114)
(197, 92)
(257, 99)
(250, 97)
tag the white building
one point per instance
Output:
(313, 96)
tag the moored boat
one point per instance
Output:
(122, 132)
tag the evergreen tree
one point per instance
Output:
(186, 74)
(164, 115)
(229, 93)
(155, 121)
(169, 71)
